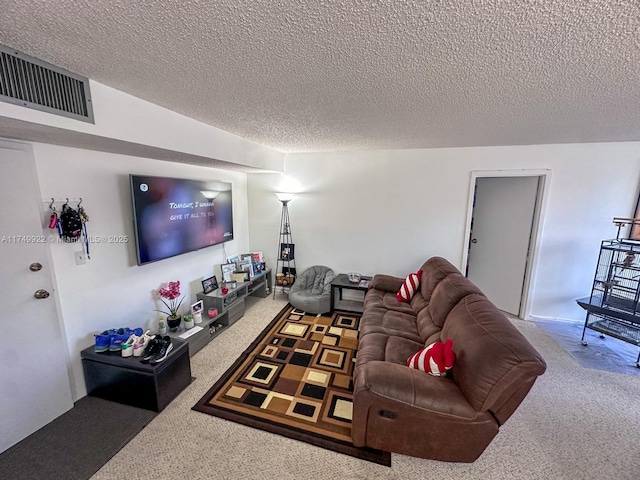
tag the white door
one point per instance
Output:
(501, 229)
(34, 383)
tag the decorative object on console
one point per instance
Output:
(196, 311)
(435, 359)
(209, 284)
(171, 293)
(354, 277)
(188, 321)
(286, 263)
(162, 327)
(240, 277)
(225, 290)
(212, 312)
(174, 323)
(409, 287)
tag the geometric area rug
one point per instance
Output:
(296, 380)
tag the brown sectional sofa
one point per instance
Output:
(452, 418)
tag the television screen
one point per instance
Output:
(173, 216)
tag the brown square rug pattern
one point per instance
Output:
(296, 380)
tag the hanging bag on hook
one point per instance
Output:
(84, 218)
(70, 223)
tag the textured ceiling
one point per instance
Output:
(364, 74)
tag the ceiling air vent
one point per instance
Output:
(32, 83)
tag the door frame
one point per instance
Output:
(536, 229)
(27, 148)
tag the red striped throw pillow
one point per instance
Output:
(409, 287)
(435, 359)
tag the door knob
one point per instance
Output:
(35, 267)
(41, 294)
(475, 240)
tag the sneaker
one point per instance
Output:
(120, 336)
(165, 348)
(141, 343)
(152, 349)
(103, 340)
(128, 346)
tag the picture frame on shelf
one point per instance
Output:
(287, 252)
(258, 268)
(209, 284)
(197, 307)
(227, 270)
(247, 267)
(257, 257)
(233, 259)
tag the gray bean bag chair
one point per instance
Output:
(311, 291)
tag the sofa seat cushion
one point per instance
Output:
(387, 348)
(415, 389)
(389, 322)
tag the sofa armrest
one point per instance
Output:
(386, 283)
(399, 409)
(411, 388)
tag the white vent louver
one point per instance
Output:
(33, 83)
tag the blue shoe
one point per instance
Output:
(120, 336)
(103, 340)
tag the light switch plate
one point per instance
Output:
(81, 259)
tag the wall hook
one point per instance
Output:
(80, 202)
(51, 207)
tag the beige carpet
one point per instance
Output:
(576, 423)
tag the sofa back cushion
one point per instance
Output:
(446, 295)
(433, 271)
(495, 364)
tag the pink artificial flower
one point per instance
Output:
(171, 293)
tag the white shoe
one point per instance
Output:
(127, 347)
(141, 343)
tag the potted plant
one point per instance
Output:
(188, 321)
(171, 293)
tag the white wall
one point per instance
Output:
(110, 290)
(388, 211)
(121, 116)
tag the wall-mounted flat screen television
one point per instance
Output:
(173, 216)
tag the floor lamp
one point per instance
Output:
(285, 255)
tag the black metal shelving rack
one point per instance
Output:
(285, 271)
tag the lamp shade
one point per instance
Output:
(210, 194)
(284, 197)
